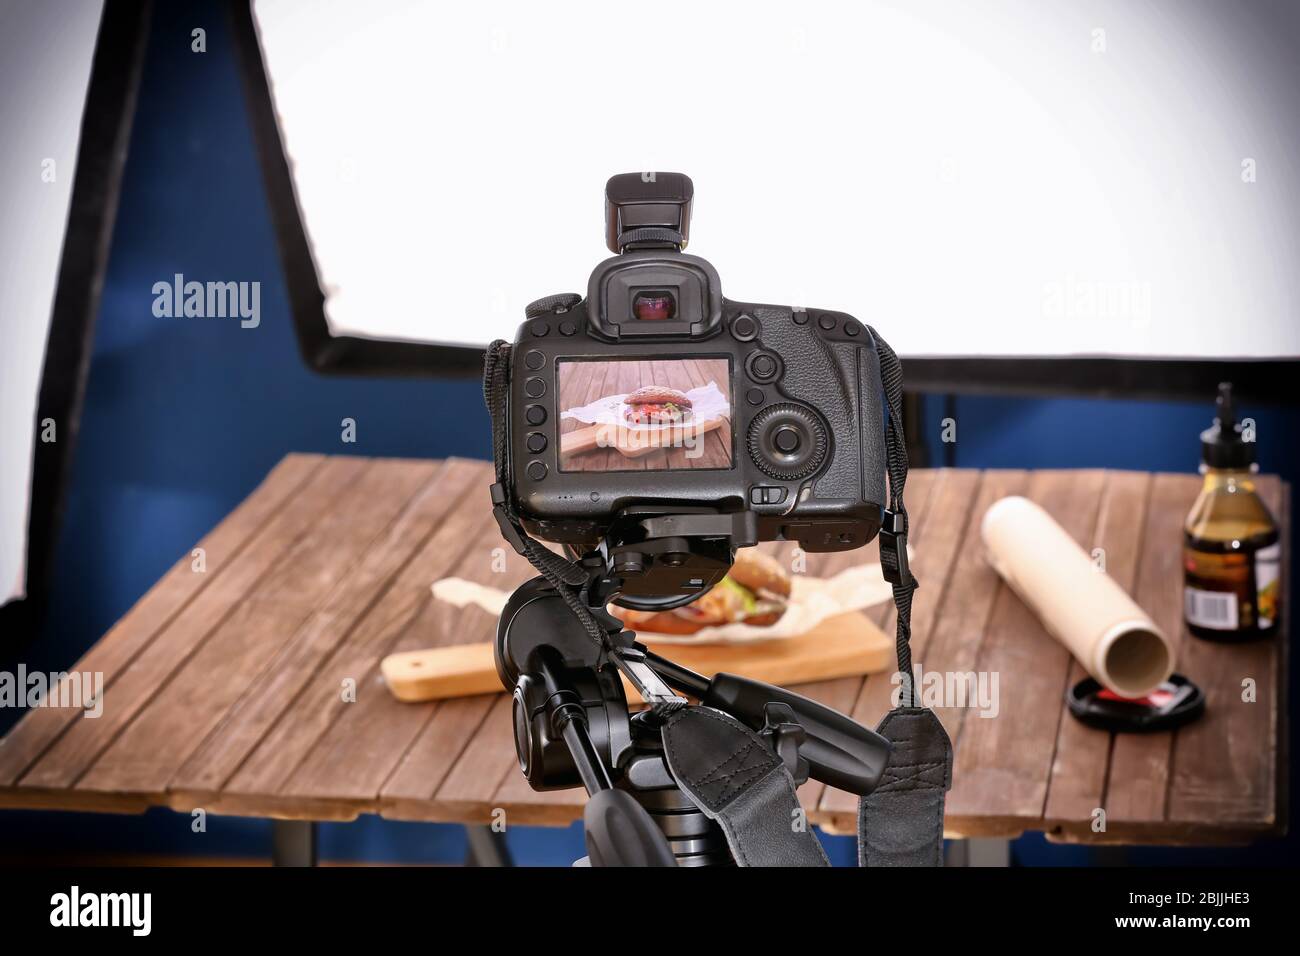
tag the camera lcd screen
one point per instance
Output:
(645, 414)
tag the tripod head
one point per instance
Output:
(657, 557)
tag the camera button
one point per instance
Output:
(535, 414)
(568, 327)
(827, 322)
(551, 303)
(536, 443)
(536, 470)
(787, 440)
(534, 360)
(766, 495)
(540, 328)
(763, 367)
(852, 328)
(800, 316)
(535, 387)
(755, 396)
(744, 328)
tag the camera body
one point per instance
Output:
(655, 391)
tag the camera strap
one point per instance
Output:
(900, 823)
(735, 778)
(566, 576)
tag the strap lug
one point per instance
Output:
(510, 530)
(893, 549)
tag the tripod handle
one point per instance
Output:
(840, 751)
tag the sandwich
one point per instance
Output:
(755, 591)
(657, 405)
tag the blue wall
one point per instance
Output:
(184, 416)
(1086, 433)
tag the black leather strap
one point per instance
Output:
(901, 822)
(736, 779)
(893, 532)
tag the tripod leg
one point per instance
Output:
(979, 851)
(619, 832)
(293, 843)
(487, 847)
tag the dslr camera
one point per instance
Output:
(652, 428)
(656, 415)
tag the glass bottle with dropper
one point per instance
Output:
(1231, 550)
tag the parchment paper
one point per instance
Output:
(1079, 604)
(812, 600)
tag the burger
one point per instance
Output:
(755, 591)
(657, 405)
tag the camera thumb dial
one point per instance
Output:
(787, 442)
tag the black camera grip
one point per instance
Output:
(842, 381)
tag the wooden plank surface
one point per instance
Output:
(290, 744)
(253, 686)
(1139, 763)
(1002, 764)
(316, 643)
(182, 712)
(1078, 774)
(178, 588)
(939, 528)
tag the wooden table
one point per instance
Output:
(252, 686)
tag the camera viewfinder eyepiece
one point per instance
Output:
(648, 211)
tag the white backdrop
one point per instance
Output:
(998, 178)
(45, 56)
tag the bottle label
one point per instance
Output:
(1235, 591)
(1268, 574)
(1216, 610)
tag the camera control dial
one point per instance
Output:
(561, 303)
(787, 442)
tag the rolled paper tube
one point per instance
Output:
(1078, 603)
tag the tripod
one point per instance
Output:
(571, 718)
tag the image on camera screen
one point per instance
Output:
(645, 414)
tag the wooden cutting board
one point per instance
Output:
(634, 442)
(842, 646)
